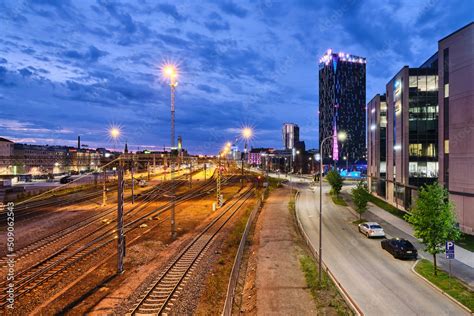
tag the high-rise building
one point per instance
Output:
(342, 104)
(291, 135)
(456, 121)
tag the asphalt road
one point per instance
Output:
(379, 284)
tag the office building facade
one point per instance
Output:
(412, 133)
(429, 128)
(377, 144)
(456, 121)
(342, 83)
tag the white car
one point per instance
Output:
(371, 229)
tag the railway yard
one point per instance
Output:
(66, 246)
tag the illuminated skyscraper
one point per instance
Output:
(342, 104)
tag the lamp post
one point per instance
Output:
(114, 133)
(170, 72)
(341, 137)
(246, 134)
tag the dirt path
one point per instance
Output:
(280, 283)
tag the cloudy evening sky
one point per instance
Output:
(71, 68)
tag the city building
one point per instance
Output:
(456, 121)
(412, 132)
(291, 135)
(428, 121)
(255, 156)
(377, 144)
(342, 82)
(6, 153)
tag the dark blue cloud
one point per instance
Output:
(92, 54)
(208, 89)
(172, 11)
(232, 8)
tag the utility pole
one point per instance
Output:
(190, 173)
(173, 224)
(242, 170)
(120, 235)
(104, 189)
(133, 182)
(218, 183)
(148, 169)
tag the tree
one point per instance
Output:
(360, 196)
(335, 180)
(433, 219)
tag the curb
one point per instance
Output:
(345, 295)
(440, 290)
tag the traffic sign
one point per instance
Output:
(449, 249)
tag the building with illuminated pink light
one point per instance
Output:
(342, 83)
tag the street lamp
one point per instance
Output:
(114, 133)
(341, 136)
(246, 135)
(170, 72)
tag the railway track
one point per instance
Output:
(160, 295)
(72, 253)
(33, 208)
(47, 241)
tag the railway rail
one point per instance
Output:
(159, 296)
(84, 223)
(72, 253)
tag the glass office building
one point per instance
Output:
(412, 132)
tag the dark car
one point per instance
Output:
(400, 248)
(65, 179)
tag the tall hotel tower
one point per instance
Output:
(342, 105)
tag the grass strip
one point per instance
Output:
(451, 285)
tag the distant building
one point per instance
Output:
(254, 156)
(291, 135)
(342, 83)
(6, 154)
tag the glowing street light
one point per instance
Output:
(170, 71)
(247, 133)
(114, 132)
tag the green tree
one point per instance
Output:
(360, 196)
(335, 180)
(433, 219)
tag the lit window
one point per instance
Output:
(446, 90)
(422, 83)
(446, 146)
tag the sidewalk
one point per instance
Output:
(281, 286)
(462, 266)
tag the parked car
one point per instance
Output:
(400, 248)
(65, 179)
(371, 229)
(142, 183)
